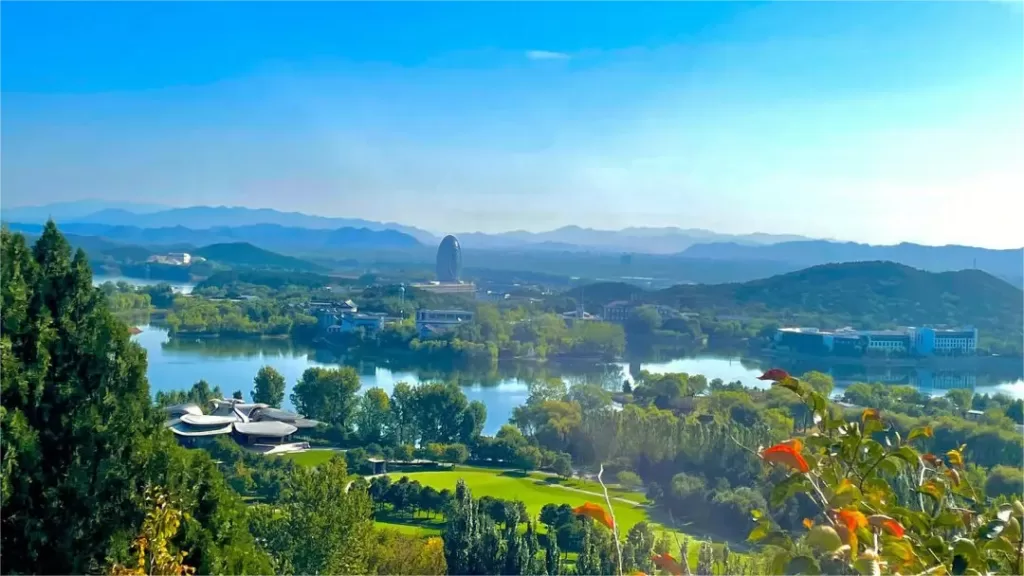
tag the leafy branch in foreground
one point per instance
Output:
(152, 546)
(883, 507)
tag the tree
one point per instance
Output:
(822, 383)
(438, 410)
(961, 398)
(562, 465)
(628, 479)
(643, 320)
(75, 403)
(471, 422)
(455, 453)
(268, 387)
(527, 458)
(552, 557)
(881, 507)
(335, 523)
(237, 395)
(327, 394)
(403, 413)
(396, 554)
(640, 544)
(152, 546)
(79, 438)
(374, 418)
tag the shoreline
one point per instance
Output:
(926, 362)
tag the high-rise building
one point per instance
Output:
(449, 260)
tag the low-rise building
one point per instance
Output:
(430, 322)
(579, 315)
(618, 311)
(906, 341)
(464, 288)
(258, 426)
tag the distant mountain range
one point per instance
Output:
(307, 235)
(643, 240)
(267, 236)
(1006, 264)
(568, 238)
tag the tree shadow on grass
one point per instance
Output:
(420, 521)
(514, 474)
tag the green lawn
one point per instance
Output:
(534, 490)
(313, 457)
(614, 491)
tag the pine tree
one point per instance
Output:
(552, 555)
(461, 535)
(535, 564)
(76, 412)
(588, 562)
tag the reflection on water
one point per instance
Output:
(183, 287)
(232, 364)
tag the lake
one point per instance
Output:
(231, 364)
(182, 287)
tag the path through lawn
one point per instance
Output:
(534, 490)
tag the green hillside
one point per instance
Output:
(858, 294)
(243, 254)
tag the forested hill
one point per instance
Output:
(245, 254)
(859, 294)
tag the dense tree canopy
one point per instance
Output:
(268, 387)
(79, 439)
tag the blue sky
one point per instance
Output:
(878, 122)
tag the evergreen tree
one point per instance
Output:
(588, 562)
(76, 412)
(517, 555)
(461, 533)
(535, 564)
(552, 555)
(79, 439)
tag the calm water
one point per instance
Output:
(232, 364)
(183, 287)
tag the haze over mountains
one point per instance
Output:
(153, 225)
(646, 240)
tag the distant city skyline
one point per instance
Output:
(868, 122)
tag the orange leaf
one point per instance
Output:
(954, 476)
(932, 459)
(852, 518)
(870, 414)
(787, 455)
(795, 444)
(893, 527)
(808, 523)
(883, 522)
(596, 512)
(667, 563)
(775, 375)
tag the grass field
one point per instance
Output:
(310, 457)
(535, 489)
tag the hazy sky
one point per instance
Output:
(878, 122)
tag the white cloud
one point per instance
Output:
(546, 55)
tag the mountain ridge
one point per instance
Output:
(1006, 263)
(267, 236)
(865, 295)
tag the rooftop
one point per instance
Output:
(234, 415)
